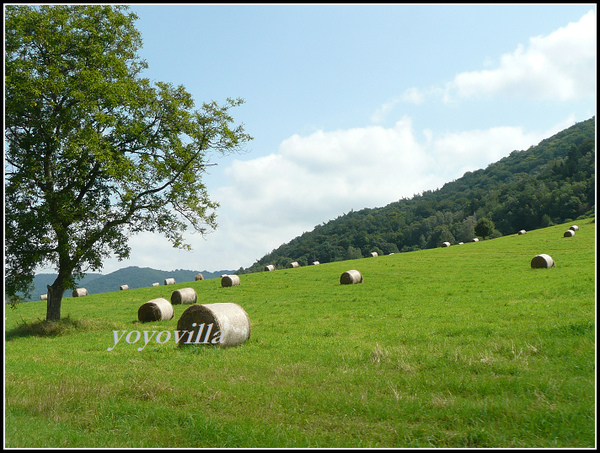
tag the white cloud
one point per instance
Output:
(270, 200)
(312, 179)
(460, 152)
(315, 177)
(560, 67)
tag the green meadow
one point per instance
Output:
(458, 347)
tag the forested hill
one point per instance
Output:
(553, 182)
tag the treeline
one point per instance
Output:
(550, 183)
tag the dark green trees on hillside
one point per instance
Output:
(546, 184)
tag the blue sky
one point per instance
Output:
(355, 106)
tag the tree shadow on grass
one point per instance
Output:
(43, 328)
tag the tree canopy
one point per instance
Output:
(96, 152)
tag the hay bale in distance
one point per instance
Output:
(475, 240)
(169, 281)
(374, 254)
(351, 277)
(569, 233)
(542, 261)
(314, 263)
(230, 280)
(220, 324)
(199, 277)
(123, 287)
(80, 292)
(44, 297)
(155, 284)
(294, 264)
(445, 244)
(522, 232)
(156, 310)
(269, 268)
(574, 227)
(184, 296)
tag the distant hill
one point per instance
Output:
(133, 276)
(551, 183)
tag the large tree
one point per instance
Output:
(95, 151)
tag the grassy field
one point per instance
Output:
(465, 346)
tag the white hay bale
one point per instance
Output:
(199, 277)
(44, 297)
(460, 243)
(220, 324)
(184, 296)
(542, 261)
(374, 254)
(80, 292)
(156, 310)
(230, 280)
(123, 287)
(155, 284)
(569, 233)
(522, 232)
(574, 227)
(314, 263)
(475, 240)
(294, 264)
(269, 268)
(351, 277)
(169, 281)
(445, 244)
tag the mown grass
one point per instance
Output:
(455, 347)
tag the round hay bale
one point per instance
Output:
(294, 264)
(522, 232)
(230, 280)
(374, 254)
(222, 324)
(199, 277)
(542, 261)
(445, 244)
(269, 268)
(574, 227)
(569, 233)
(44, 297)
(169, 281)
(460, 243)
(80, 292)
(351, 277)
(314, 263)
(123, 287)
(156, 310)
(184, 296)
(155, 284)
(475, 240)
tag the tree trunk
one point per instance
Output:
(55, 295)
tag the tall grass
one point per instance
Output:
(465, 346)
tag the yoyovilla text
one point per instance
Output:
(162, 337)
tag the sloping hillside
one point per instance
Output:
(547, 184)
